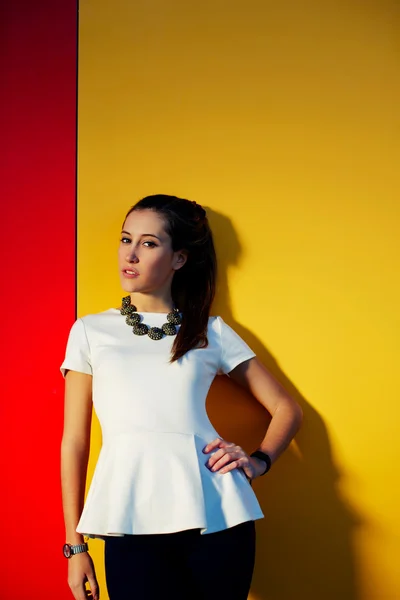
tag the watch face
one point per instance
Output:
(67, 551)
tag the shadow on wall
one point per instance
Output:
(304, 543)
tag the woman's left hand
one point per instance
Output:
(229, 456)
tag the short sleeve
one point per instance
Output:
(234, 350)
(77, 354)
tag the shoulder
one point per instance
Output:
(87, 326)
(93, 320)
(213, 322)
(233, 348)
(216, 323)
(220, 331)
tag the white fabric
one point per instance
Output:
(151, 475)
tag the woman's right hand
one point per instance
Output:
(80, 570)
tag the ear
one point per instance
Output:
(179, 259)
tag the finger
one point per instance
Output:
(216, 456)
(231, 449)
(218, 448)
(236, 464)
(78, 590)
(217, 443)
(212, 445)
(94, 587)
(227, 458)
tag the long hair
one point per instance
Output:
(193, 285)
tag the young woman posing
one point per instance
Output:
(171, 499)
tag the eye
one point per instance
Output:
(152, 244)
(125, 240)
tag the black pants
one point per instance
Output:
(181, 566)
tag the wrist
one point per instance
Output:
(70, 550)
(259, 467)
(264, 461)
(74, 538)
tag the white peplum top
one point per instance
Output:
(151, 474)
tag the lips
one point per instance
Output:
(130, 273)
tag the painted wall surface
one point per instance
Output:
(282, 118)
(37, 237)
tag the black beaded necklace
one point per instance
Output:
(155, 333)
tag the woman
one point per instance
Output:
(172, 500)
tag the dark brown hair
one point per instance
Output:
(193, 286)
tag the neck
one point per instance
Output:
(151, 304)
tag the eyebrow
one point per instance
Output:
(143, 234)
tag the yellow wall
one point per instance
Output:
(283, 119)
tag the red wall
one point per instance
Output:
(38, 125)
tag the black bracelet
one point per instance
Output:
(265, 457)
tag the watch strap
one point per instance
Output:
(265, 457)
(78, 548)
(72, 549)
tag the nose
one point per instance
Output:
(131, 256)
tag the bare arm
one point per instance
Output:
(286, 420)
(75, 447)
(286, 413)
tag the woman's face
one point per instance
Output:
(146, 260)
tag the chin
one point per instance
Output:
(133, 286)
(129, 286)
(129, 289)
